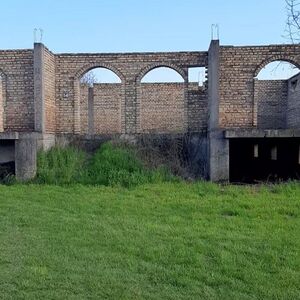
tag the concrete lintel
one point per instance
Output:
(261, 133)
(9, 136)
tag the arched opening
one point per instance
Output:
(276, 95)
(101, 95)
(162, 101)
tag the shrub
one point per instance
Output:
(60, 165)
(111, 165)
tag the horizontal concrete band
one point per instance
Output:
(261, 133)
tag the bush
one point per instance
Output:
(60, 165)
(111, 165)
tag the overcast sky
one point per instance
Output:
(140, 25)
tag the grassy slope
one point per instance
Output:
(167, 241)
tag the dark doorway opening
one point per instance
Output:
(256, 160)
(7, 159)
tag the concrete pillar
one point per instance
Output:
(130, 106)
(218, 157)
(91, 111)
(25, 158)
(39, 88)
(213, 84)
(218, 146)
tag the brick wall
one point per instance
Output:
(238, 67)
(197, 108)
(49, 81)
(293, 109)
(107, 108)
(162, 108)
(133, 107)
(1, 105)
(130, 67)
(270, 97)
(17, 65)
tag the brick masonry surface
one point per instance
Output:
(271, 101)
(293, 109)
(134, 107)
(16, 70)
(238, 68)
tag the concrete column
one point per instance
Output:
(39, 88)
(213, 84)
(218, 146)
(218, 157)
(91, 111)
(130, 106)
(25, 158)
(186, 100)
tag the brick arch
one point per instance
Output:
(272, 59)
(76, 80)
(257, 71)
(92, 66)
(139, 85)
(151, 67)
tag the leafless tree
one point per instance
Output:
(293, 20)
(89, 78)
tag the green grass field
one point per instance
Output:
(153, 241)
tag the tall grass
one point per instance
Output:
(111, 165)
(60, 165)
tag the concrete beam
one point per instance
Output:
(9, 135)
(261, 133)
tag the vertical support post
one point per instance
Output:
(39, 88)
(130, 106)
(213, 85)
(91, 111)
(186, 101)
(218, 146)
(77, 126)
(25, 158)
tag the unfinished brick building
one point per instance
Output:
(241, 127)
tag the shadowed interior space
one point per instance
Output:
(254, 160)
(7, 158)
